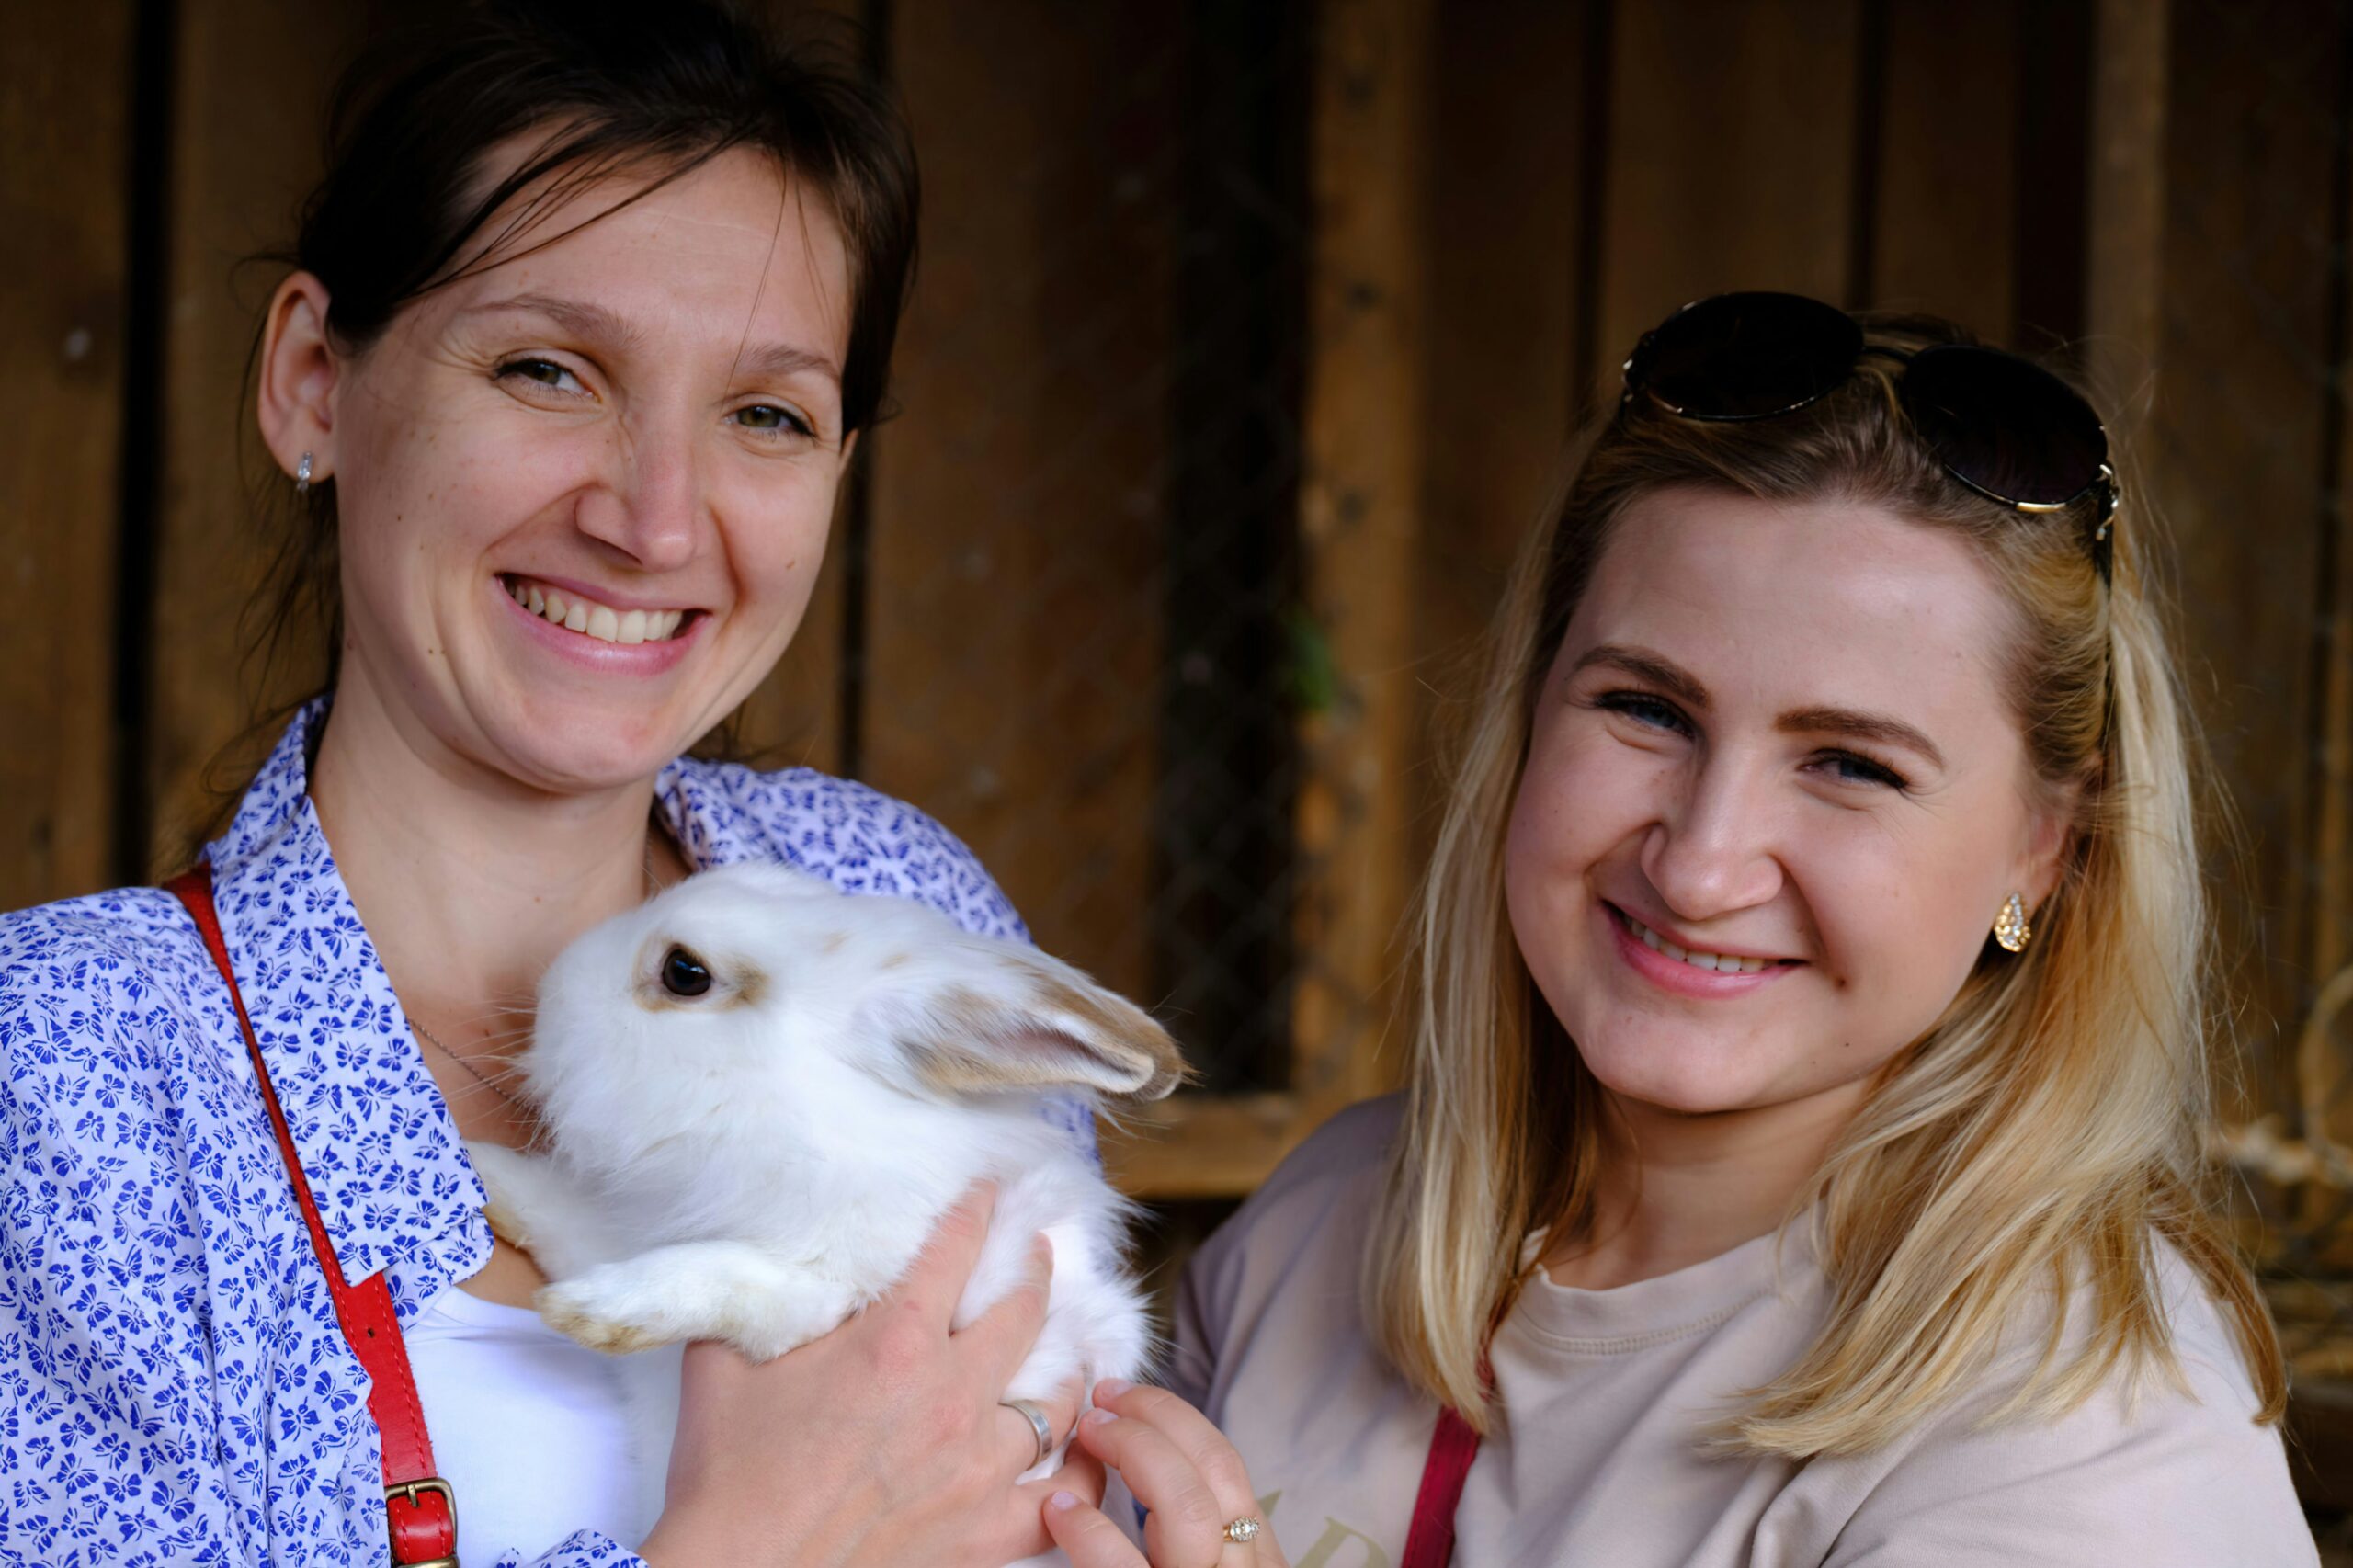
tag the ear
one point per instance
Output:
(300, 373)
(2049, 830)
(1034, 1028)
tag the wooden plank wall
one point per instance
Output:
(65, 117)
(1583, 167)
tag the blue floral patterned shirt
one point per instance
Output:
(173, 1387)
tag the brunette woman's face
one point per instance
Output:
(584, 493)
(1773, 800)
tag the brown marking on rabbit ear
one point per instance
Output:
(1126, 1028)
(833, 942)
(966, 1041)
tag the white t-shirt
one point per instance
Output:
(1604, 1392)
(539, 1436)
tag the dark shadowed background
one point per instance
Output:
(1247, 338)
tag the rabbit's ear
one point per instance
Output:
(1035, 1028)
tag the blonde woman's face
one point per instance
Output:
(1773, 801)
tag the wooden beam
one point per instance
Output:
(2125, 252)
(1202, 1145)
(1015, 632)
(65, 100)
(1731, 159)
(1360, 510)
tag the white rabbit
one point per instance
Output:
(761, 1094)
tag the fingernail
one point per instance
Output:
(1111, 1388)
(1098, 1418)
(1062, 1502)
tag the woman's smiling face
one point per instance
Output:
(582, 494)
(1776, 735)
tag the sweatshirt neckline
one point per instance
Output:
(1628, 1318)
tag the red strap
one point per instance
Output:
(419, 1509)
(1429, 1541)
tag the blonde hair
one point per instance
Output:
(2045, 1135)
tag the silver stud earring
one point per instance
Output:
(2010, 928)
(302, 475)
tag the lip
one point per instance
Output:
(618, 602)
(587, 652)
(1678, 978)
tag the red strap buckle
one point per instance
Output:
(422, 1528)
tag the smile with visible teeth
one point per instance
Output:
(592, 619)
(1722, 963)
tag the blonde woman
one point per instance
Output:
(1802, 1159)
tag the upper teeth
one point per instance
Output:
(586, 616)
(1723, 962)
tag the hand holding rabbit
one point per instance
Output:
(896, 1453)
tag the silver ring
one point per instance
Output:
(1242, 1531)
(1039, 1426)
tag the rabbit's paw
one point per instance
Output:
(698, 1290)
(601, 1311)
(518, 1190)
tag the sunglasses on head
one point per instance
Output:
(2004, 426)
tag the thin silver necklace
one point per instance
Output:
(471, 1070)
(652, 886)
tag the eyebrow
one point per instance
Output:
(1823, 720)
(597, 324)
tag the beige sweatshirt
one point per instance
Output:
(1605, 1389)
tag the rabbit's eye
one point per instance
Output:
(682, 974)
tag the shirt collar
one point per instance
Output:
(382, 1156)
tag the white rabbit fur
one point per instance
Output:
(755, 1163)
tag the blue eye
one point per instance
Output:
(1849, 768)
(1643, 708)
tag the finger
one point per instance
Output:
(1061, 1412)
(1186, 1523)
(1195, 1436)
(936, 1283)
(993, 1344)
(1081, 1474)
(1086, 1537)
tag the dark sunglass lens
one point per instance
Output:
(1746, 355)
(2009, 427)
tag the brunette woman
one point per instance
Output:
(582, 326)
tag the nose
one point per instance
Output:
(1714, 850)
(649, 506)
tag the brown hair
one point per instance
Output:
(2046, 1135)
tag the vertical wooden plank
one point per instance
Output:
(1944, 213)
(1732, 152)
(65, 106)
(1014, 610)
(250, 84)
(2236, 452)
(1501, 302)
(2126, 246)
(1366, 380)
